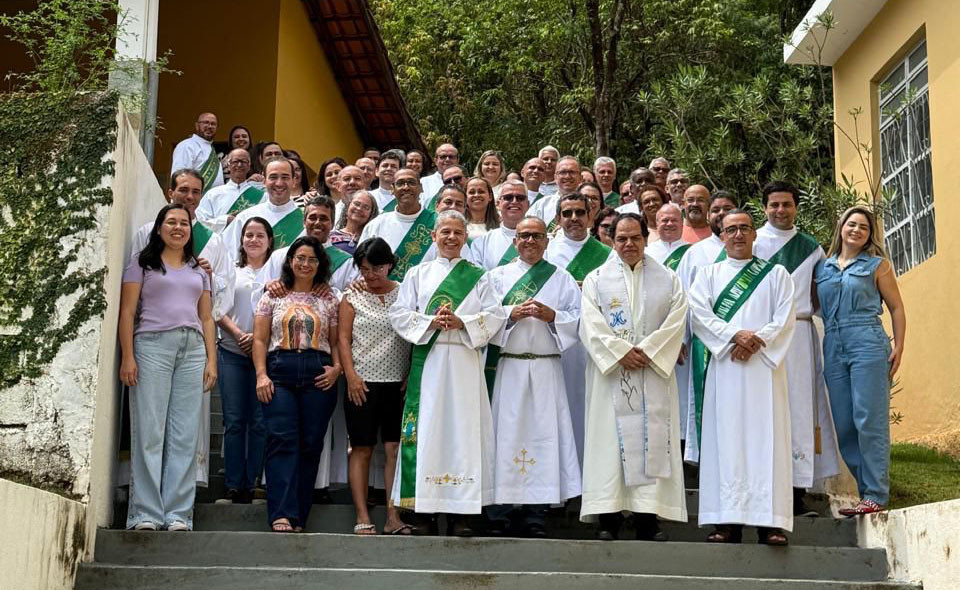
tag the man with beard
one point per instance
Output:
(696, 201)
(678, 181)
(196, 152)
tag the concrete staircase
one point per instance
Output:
(230, 549)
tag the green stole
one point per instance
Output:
(287, 229)
(612, 200)
(526, 287)
(536, 198)
(250, 196)
(728, 303)
(794, 252)
(337, 258)
(509, 256)
(391, 206)
(432, 204)
(451, 292)
(552, 226)
(673, 260)
(591, 255)
(201, 235)
(208, 171)
(413, 247)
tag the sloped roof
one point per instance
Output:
(353, 45)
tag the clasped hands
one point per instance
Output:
(745, 345)
(446, 320)
(634, 360)
(533, 309)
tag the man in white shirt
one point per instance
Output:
(222, 203)
(390, 162)
(640, 180)
(285, 217)
(496, 247)
(369, 168)
(445, 156)
(550, 157)
(196, 152)
(533, 173)
(567, 173)
(605, 169)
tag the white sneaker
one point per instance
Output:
(144, 526)
(178, 526)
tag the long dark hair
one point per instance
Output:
(242, 257)
(231, 147)
(304, 173)
(151, 256)
(323, 269)
(321, 184)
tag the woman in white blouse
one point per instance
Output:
(376, 362)
(244, 434)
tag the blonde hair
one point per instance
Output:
(478, 171)
(874, 245)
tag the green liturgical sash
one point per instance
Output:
(612, 200)
(552, 227)
(509, 256)
(528, 286)
(208, 172)
(794, 252)
(201, 235)
(250, 196)
(591, 255)
(673, 261)
(287, 229)
(451, 292)
(536, 198)
(391, 206)
(413, 247)
(432, 205)
(337, 258)
(728, 303)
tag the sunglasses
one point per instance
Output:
(568, 213)
(513, 198)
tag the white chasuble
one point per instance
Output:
(536, 457)
(454, 427)
(703, 253)
(745, 462)
(810, 414)
(624, 308)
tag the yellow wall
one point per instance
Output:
(311, 115)
(252, 62)
(930, 397)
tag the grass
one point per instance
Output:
(920, 475)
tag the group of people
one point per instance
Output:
(505, 341)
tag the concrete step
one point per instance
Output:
(340, 518)
(245, 549)
(112, 577)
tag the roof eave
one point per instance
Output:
(811, 44)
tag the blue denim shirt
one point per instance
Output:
(849, 297)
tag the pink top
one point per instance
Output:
(695, 234)
(299, 321)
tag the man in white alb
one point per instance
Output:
(815, 452)
(742, 309)
(550, 156)
(196, 152)
(390, 162)
(445, 156)
(532, 173)
(497, 247)
(634, 315)
(221, 204)
(568, 178)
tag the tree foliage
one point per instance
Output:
(700, 81)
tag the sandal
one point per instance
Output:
(364, 528)
(725, 534)
(402, 530)
(864, 507)
(776, 538)
(281, 525)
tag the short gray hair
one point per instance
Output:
(679, 172)
(669, 206)
(512, 182)
(449, 214)
(604, 160)
(549, 148)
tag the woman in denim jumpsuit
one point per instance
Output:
(852, 285)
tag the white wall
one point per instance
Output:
(922, 543)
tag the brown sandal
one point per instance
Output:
(725, 534)
(776, 538)
(281, 525)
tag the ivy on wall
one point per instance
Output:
(52, 166)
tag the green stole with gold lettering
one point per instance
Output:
(673, 260)
(248, 197)
(451, 292)
(728, 303)
(287, 229)
(414, 245)
(208, 171)
(526, 287)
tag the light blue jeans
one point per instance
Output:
(164, 422)
(856, 368)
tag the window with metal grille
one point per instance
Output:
(905, 156)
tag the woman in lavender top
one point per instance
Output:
(168, 361)
(244, 435)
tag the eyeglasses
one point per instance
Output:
(568, 213)
(239, 162)
(566, 172)
(735, 229)
(528, 236)
(606, 225)
(512, 198)
(454, 179)
(405, 182)
(446, 156)
(660, 169)
(376, 269)
(678, 181)
(308, 260)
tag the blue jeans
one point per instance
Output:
(164, 423)
(296, 420)
(527, 514)
(856, 368)
(244, 434)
